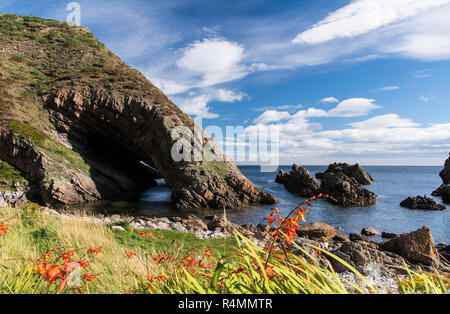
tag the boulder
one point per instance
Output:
(317, 230)
(196, 222)
(340, 237)
(369, 231)
(299, 181)
(346, 190)
(421, 202)
(444, 189)
(417, 246)
(217, 222)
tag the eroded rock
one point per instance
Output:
(299, 181)
(417, 246)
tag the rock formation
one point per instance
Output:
(417, 246)
(299, 181)
(444, 189)
(341, 181)
(421, 202)
(82, 125)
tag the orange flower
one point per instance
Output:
(84, 264)
(94, 250)
(130, 254)
(89, 276)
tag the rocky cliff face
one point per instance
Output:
(444, 189)
(299, 181)
(82, 125)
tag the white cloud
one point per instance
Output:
(427, 98)
(272, 116)
(197, 105)
(362, 16)
(282, 107)
(354, 107)
(329, 100)
(388, 88)
(384, 121)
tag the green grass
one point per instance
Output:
(181, 258)
(63, 155)
(10, 175)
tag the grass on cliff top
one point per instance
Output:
(10, 175)
(124, 262)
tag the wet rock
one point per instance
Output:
(421, 202)
(317, 230)
(417, 246)
(299, 181)
(369, 231)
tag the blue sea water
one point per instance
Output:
(394, 184)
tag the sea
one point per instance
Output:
(394, 184)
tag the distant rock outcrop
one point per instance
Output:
(299, 181)
(421, 202)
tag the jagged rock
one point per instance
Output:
(421, 202)
(12, 198)
(369, 231)
(298, 181)
(346, 190)
(445, 173)
(361, 255)
(417, 246)
(317, 230)
(355, 171)
(218, 222)
(388, 235)
(89, 131)
(196, 222)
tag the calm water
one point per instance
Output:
(393, 185)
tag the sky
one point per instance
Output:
(357, 81)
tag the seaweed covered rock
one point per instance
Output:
(82, 125)
(298, 181)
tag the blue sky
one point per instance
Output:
(358, 81)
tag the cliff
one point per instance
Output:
(81, 125)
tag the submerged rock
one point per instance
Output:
(417, 246)
(421, 202)
(299, 181)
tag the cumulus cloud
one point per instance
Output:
(354, 107)
(196, 105)
(384, 121)
(272, 116)
(362, 16)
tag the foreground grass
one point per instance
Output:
(149, 261)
